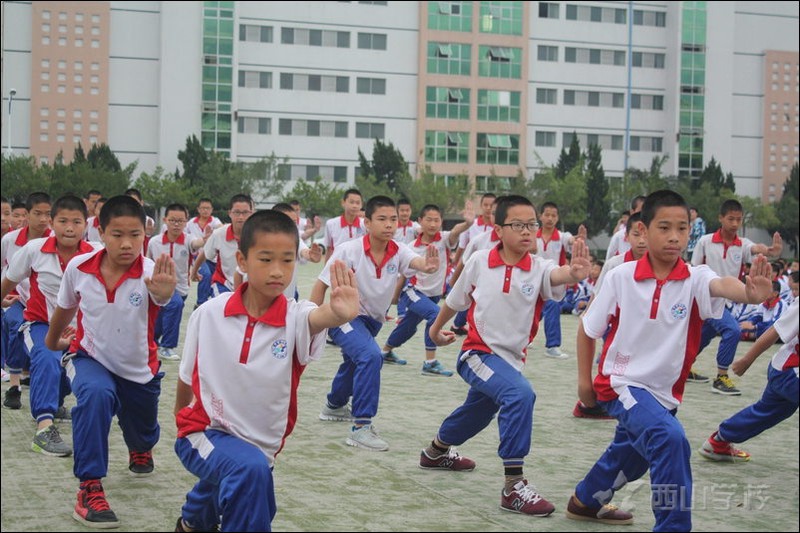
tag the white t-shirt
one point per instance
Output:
(180, 251)
(431, 284)
(10, 244)
(221, 248)
(408, 233)
(725, 260)
(786, 326)
(338, 231)
(556, 248)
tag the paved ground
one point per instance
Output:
(324, 485)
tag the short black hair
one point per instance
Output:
(205, 200)
(776, 286)
(267, 221)
(491, 195)
(241, 198)
(633, 218)
(121, 206)
(403, 201)
(429, 207)
(136, 193)
(348, 192)
(636, 201)
(375, 202)
(659, 199)
(283, 207)
(69, 202)
(92, 192)
(795, 276)
(4, 200)
(177, 207)
(36, 198)
(507, 202)
(294, 201)
(729, 206)
(549, 204)
(18, 205)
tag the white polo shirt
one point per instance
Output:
(376, 282)
(432, 284)
(786, 326)
(114, 326)
(610, 264)
(39, 263)
(197, 231)
(244, 371)
(221, 247)
(338, 231)
(407, 233)
(484, 241)
(180, 251)
(92, 233)
(478, 226)
(10, 244)
(618, 244)
(655, 329)
(504, 302)
(725, 260)
(556, 248)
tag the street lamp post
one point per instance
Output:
(11, 94)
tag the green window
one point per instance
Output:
(449, 58)
(498, 106)
(502, 18)
(447, 102)
(499, 62)
(446, 147)
(217, 87)
(498, 149)
(450, 16)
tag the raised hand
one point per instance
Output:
(758, 283)
(431, 259)
(315, 253)
(580, 266)
(468, 212)
(162, 283)
(582, 233)
(344, 292)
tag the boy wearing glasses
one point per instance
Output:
(222, 245)
(179, 245)
(503, 288)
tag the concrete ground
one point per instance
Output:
(324, 485)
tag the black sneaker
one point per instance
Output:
(62, 413)
(26, 381)
(459, 331)
(92, 509)
(179, 526)
(696, 377)
(13, 398)
(140, 463)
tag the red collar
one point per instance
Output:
(409, 225)
(717, 238)
(554, 237)
(391, 251)
(628, 256)
(229, 236)
(92, 266)
(22, 238)
(772, 302)
(437, 237)
(496, 261)
(494, 237)
(50, 246)
(479, 221)
(96, 222)
(356, 223)
(644, 270)
(275, 315)
(179, 240)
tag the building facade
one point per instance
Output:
(484, 91)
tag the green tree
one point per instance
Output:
(387, 166)
(21, 176)
(714, 176)
(787, 209)
(161, 189)
(101, 157)
(192, 158)
(567, 160)
(597, 208)
(568, 193)
(318, 197)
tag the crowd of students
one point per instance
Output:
(93, 298)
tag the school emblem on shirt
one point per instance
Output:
(184, 253)
(679, 311)
(279, 349)
(737, 257)
(526, 289)
(391, 268)
(135, 298)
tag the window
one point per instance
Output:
(547, 96)
(498, 149)
(312, 128)
(593, 98)
(372, 41)
(548, 10)
(606, 142)
(502, 18)
(545, 138)
(547, 53)
(594, 56)
(370, 86)
(446, 147)
(447, 102)
(450, 16)
(499, 62)
(254, 125)
(255, 79)
(336, 39)
(255, 34)
(645, 144)
(649, 18)
(596, 14)
(370, 130)
(444, 58)
(648, 60)
(647, 101)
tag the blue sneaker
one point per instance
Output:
(392, 359)
(435, 368)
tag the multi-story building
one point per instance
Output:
(486, 90)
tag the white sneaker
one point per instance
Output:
(168, 354)
(340, 414)
(555, 352)
(367, 437)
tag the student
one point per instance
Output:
(42, 262)
(346, 227)
(222, 245)
(179, 245)
(90, 199)
(233, 451)
(618, 245)
(92, 233)
(407, 232)
(304, 252)
(5, 208)
(376, 260)
(113, 364)
(778, 401)
(421, 295)
(37, 225)
(150, 224)
(484, 223)
(698, 229)
(503, 288)
(726, 253)
(764, 315)
(19, 215)
(201, 227)
(553, 245)
(645, 362)
(308, 227)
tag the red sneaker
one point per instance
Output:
(596, 412)
(452, 460)
(524, 499)
(140, 463)
(722, 451)
(606, 514)
(92, 509)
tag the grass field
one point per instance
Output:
(325, 485)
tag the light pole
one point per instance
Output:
(11, 94)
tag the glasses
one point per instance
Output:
(519, 226)
(176, 221)
(240, 213)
